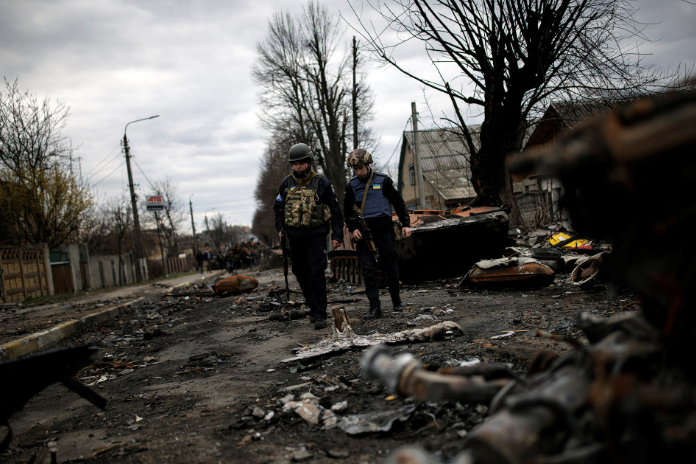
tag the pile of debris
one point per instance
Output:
(539, 256)
(628, 395)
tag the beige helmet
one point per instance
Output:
(358, 157)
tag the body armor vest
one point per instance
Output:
(302, 208)
(377, 204)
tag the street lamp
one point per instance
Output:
(136, 219)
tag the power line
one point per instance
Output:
(117, 167)
(107, 166)
(99, 163)
(397, 143)
(141, 172)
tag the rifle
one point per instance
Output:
(284, 249)
(25, 377)
(367, 235)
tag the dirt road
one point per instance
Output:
(201, 379)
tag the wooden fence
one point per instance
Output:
(23, 273)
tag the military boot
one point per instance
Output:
(374, 313)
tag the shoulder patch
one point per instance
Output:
(279, 198)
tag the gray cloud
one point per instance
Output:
(189, 61)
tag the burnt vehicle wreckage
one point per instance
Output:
(420, 256)
(628, 396)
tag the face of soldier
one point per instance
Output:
(361, 171)
(300, 166)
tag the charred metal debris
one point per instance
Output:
(628, 395)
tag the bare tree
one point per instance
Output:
(119, 221)
(94, 228)
(509, 59)
(173, 216)
(41, 196)
(274, 168)
(306, 88)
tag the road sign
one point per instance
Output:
(155, 202)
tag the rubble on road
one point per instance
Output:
(332, 346)
(378, 421)
(235, 285)
(513, 272)
(587, 270)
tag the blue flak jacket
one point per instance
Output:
(377, 204)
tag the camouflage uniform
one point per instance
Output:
(311, 213)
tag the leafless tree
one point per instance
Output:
(119, 221)
(306, 87)
(31, 131)
(94, 228)
(41, 195)
(274, 168)
(173, 216)
(509, 58)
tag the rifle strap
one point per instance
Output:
(302, 184)
(367, 189)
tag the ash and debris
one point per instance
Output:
(197, 377)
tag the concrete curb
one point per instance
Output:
(41, 340)
(192, 282)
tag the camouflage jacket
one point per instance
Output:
(309, 212)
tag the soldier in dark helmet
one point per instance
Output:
(306, 207)
(373, 194)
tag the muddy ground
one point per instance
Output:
(217, 375)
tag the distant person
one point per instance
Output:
(208, 259)
(229, 261)
(244, 257)
(200, 257)
(254, 258)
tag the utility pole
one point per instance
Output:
(134, 206)
(355, 94)
(134, 202)
(193, 227)
(416, 155)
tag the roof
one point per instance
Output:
(444, 157)
(563, 115)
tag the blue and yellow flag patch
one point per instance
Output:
(376, 186)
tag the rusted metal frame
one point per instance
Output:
(406, 376)
(431, 386)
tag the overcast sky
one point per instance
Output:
(189, 61)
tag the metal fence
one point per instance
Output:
(23, 273)
(174, 266)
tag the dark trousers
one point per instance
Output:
(309, 266)
(387, 260)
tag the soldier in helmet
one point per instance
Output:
(306, 207)
(373, 194)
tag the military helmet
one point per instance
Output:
(301, 152)
(358, 157)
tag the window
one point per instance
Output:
(412, 174)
